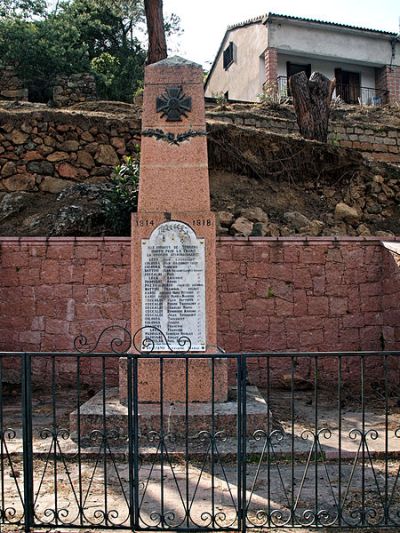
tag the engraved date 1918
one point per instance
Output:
(202, 222)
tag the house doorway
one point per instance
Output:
(295, 68)
(348, 85)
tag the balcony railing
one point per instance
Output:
(347, 93)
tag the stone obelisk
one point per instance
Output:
(173, 240)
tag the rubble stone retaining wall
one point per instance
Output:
(11, 86)
(49, 150)
(321, 294)
(375, 141)
(69, 90)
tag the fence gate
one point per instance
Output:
(304, 440)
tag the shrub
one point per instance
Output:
(122, 197)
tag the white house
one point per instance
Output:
(266, 50)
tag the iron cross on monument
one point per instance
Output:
(173, 239)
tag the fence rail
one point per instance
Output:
(347, 93)
(314, 442)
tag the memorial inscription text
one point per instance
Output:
(173, 286)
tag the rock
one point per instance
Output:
(54, 185)
(68, 146)
(33, 155)
(66, 170)
(296, 220)
(106, 155)
(40, 167)
(260, 229)
(378, 179)
(314, 228)
(388, 191)
(33, 222)
(384, 234)
(8, 169)
(374, 209)
(346, 213)
(363, 230)
(49, 141)
(7, 127)
(18, 137)
(87, 137)
(26, 127)
(242, 226)
(85, 213)
(382, 198)
(13, 203)
(119, 144)
(58, 156)
(254, 214)
(272, 230)
(225, 219)
(85, 160)
(20, 182)
(90, 192)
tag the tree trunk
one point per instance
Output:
(155, 28)
(312, 100)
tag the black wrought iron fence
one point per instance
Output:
(301, 440)
(349, 94)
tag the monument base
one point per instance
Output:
(192, 380)
(180, 421)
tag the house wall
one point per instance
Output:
(331, 42)
(273, 294)
(244, 78)
(326, 47)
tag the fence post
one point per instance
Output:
(27, 440)
(241, 438)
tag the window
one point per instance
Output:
(229, 55)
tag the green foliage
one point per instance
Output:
(100, 36)
(122, 197)
(105, 66)
(24, 9)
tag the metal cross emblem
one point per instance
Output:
(174, 104)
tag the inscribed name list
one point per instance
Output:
(173, 287)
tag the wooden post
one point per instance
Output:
(312, 100)
(155, 28)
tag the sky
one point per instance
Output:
(205, 21)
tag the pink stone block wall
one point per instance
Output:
(51, 290)
(296, 295)
(391, 300)
(273, 295)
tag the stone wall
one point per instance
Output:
(11, 86)
(375, 141)
(49, 150)
(46, 150)
(70, 90)
(273, 295)
(391, 298)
